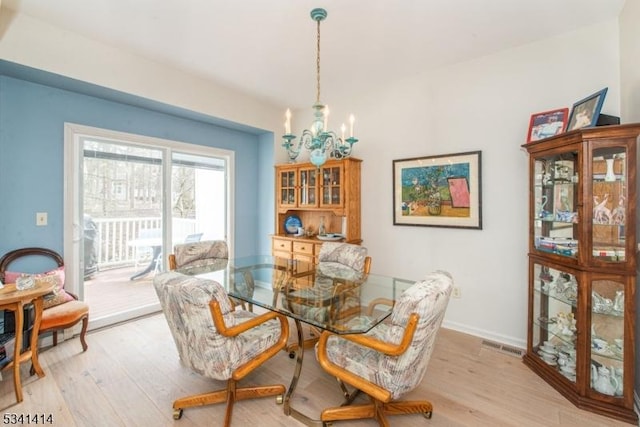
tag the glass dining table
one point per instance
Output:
(335, 300)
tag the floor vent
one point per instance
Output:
(513, 351)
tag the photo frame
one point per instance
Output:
(586, 111)
(438, 191)
(547, 123)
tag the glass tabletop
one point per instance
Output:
(334, 299)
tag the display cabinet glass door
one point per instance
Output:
(607, 337)
(288, 188)
(610, 195)
(555, 294)
(332, 186)
(556, 204)
(308, 187)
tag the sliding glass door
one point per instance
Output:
(198, 184)
(121, 192)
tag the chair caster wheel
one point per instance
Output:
(280, 399)
(428, 415)
(292, 355)
(177, 414)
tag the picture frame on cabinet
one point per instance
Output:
(438, 191)
(586, 111)
(547, 123)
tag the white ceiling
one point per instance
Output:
(267, 47)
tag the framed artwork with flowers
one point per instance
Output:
(438, 191)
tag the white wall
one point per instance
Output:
(630, 61)
(483, 104)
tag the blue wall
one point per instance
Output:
(32, 117)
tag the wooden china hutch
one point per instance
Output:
(328, 195)
(582, 266)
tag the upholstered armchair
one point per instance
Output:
(217, 341)
(62, 309)
(198, 254)
(208, 255)
(390, 360)
(339, 264)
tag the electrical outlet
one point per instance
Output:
(41, 218)
(457, 292)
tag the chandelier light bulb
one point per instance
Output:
(287, 122)
(352, 119)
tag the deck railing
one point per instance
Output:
(113, 235)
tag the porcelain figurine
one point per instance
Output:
(543, 213)
(605, 383)
(618, 302)
(566, 323)
(618, 215)
(619, 376)
(601, 214)
(600, 303)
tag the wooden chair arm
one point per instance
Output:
(354, 380)
(248, 367)
(381, 346)
(218, 321)
(379, 301)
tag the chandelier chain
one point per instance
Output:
(318, 65)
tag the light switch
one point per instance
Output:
(41, 218)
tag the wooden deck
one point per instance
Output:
(112, 292)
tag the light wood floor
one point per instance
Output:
(131, 374)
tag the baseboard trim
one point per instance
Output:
(481, 333)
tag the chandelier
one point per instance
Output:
(319, 140)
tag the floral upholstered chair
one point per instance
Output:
(217, 341)
(206, 256)
(390, 360)
(198, 254)
(339, 264)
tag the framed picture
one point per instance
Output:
(586, 111)
(438, 191)
(548, 123)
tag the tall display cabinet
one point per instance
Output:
(582, 266)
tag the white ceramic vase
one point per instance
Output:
(610, 176)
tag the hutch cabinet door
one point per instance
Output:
(610, 351)
(612, 206)
(332, 186)
(308, 196)
(555, 319)
(286, 187)
(555, 205)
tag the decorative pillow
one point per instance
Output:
(55, 277)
